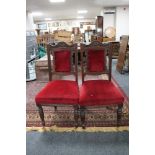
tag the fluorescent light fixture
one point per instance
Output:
(82, 11)
(37, 14)
(48, 18)
(80, 17)
(57, 1)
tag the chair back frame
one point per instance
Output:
(51, 49)
(96, 45)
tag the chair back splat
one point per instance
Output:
(62, 59)
(94, 59)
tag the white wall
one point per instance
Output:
(119, 20)
(109, 20)
(122, 21)
(29, 21)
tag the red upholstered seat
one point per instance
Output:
(99, 92)
(59, 92)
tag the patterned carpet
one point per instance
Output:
(63, 117)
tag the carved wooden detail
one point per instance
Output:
(95, 43)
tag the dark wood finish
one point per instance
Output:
(76, 115)
(55, 108)
(99, 26)
(82, 116)
(51, 49)
(100, 39)
(119, 114)
(41, 114)
(108, 48)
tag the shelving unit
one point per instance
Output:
(31, 53)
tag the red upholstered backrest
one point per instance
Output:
(96, 60)
(62, 61)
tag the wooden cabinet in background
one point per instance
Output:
(99, 38)
(99, 26)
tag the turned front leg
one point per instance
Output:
(76, 115)
(82, 115)
(119, 114)
(41, 114)
(55, 108)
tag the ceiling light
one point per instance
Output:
(48, 19)
(82, 11)
(37, 14)
(80, 17)
(57, 1)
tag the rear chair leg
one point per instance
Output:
(76, 115)
(55, 108)
(82, 115)
(119, 113)
(41, 113)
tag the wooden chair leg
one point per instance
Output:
(76, 115)
(41, 113)
(82, 116)
(55, 108)
(119, 113)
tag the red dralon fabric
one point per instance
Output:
(96, 60)
(62, 61)
(99, 92)
(58, 92)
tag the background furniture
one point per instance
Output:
(115, 49)
(106, 39)
(63, 36)
(99, 26)
(122, 53)
(57, 36)
(43, 40)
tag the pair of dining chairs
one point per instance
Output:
(96, 59)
